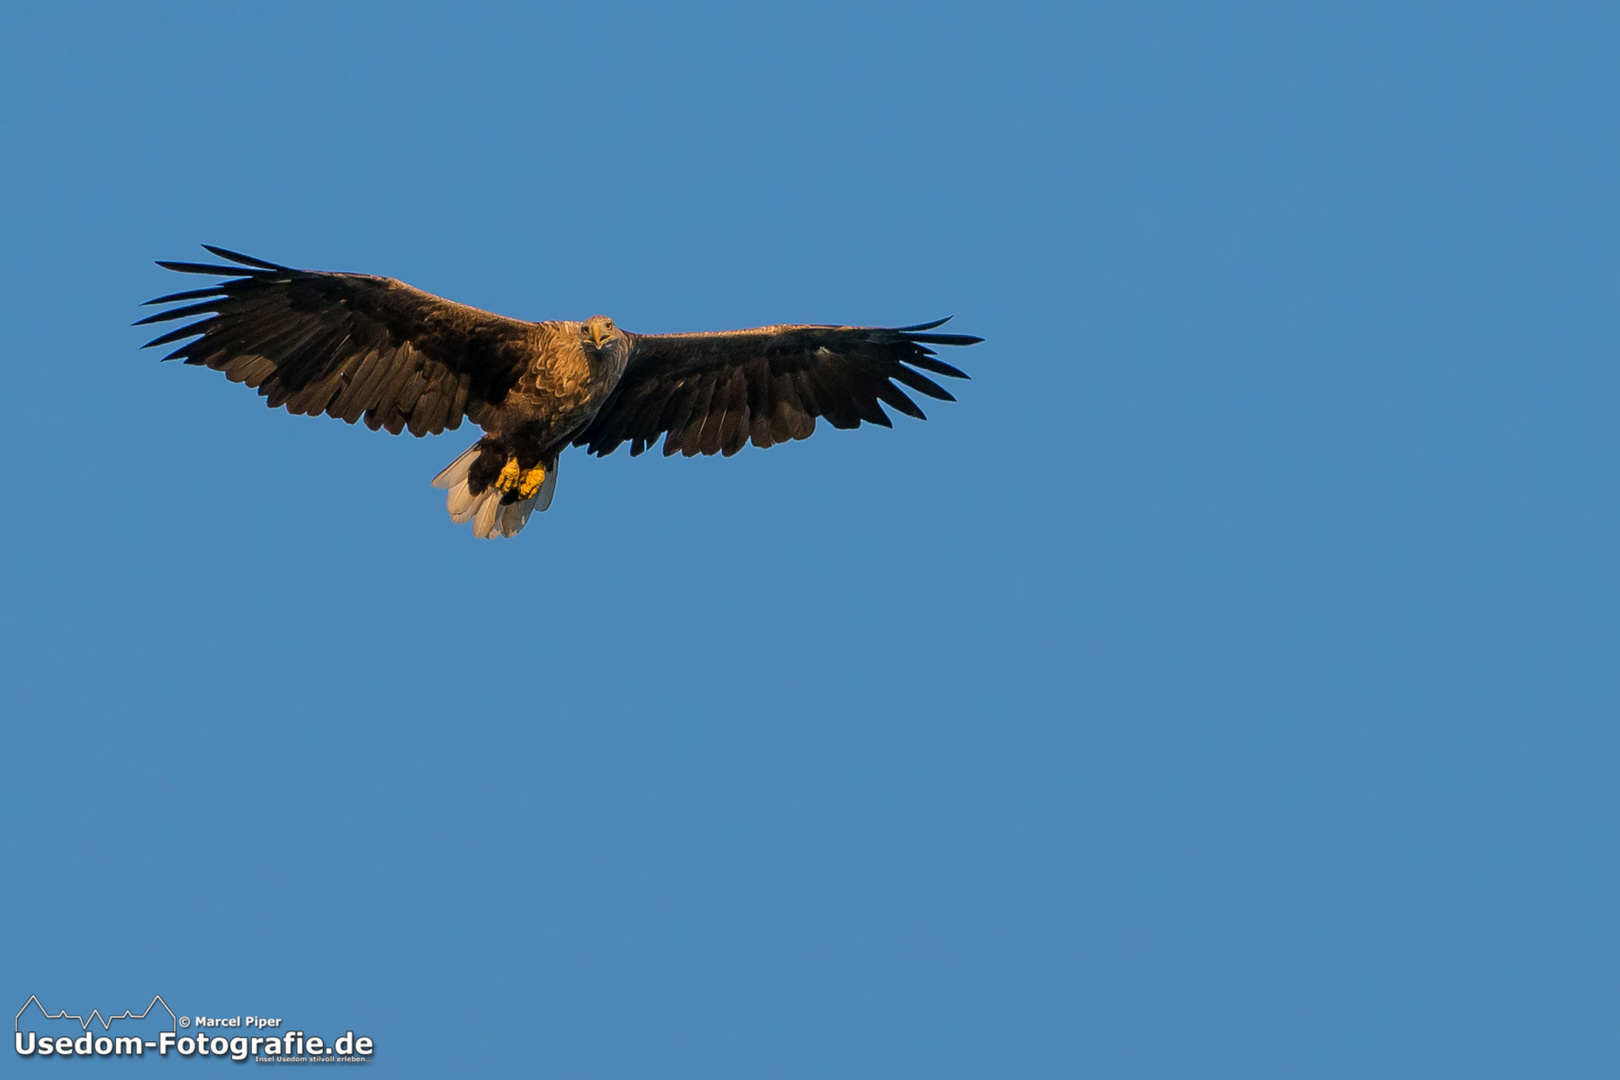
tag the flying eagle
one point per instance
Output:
(359, 347)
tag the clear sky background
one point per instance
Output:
(1226, 686)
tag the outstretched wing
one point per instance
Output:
(712, 393)
(349, 345)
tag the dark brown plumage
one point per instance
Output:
(369, 348)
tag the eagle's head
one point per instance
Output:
(600, 334)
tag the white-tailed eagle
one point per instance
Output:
(368, 348)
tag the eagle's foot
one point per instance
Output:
(516, 480)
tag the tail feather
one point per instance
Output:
(513, 516)
(461, 503)
(543, 496)
(489, 508)
(489, 516)
(456, 472)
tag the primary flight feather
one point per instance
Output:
(368, 348)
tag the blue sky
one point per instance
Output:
(1224, 686)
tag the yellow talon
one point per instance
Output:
(523, 482)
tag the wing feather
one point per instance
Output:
(804, 398)
(895, 397)
(924, 385)
(676, 413)
(689, 430)
(834, 396)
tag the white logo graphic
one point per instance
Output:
(278, 1045)
(95, 1014)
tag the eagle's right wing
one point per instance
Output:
(349, 345)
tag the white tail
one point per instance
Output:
(490, 517)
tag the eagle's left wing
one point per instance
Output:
(713, 393)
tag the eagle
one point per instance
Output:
(359, 347)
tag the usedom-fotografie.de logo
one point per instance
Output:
(157, 1030)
